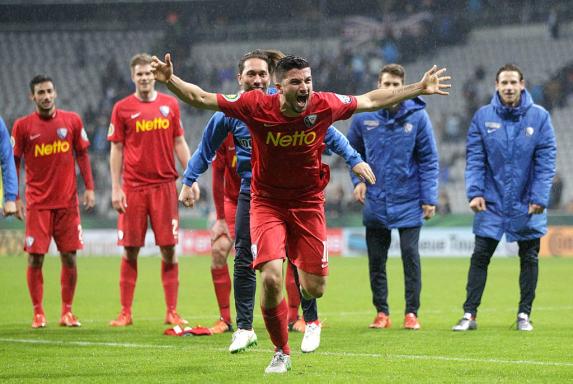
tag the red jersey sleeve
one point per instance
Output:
(240, 106)
(342, 106)
(116, 131)
(81, 140)
(18, 138)
(177, 124)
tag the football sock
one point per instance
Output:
(36, 287)
(68, 280)
(309, 306)
(127, 279)
(293, 294)
(222, 284)
(170, 279)
(277, 325)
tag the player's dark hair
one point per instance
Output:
(394, 70)
(140, 59)
(39, 79)
(510, 67)
(287, 63)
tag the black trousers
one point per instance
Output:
(477, 275)
(245, 278)
(378, 242)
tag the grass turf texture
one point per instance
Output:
(349, 352)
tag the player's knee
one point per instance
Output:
(219, 253)
(68, 259)
(35, 260)
(272, 283)
(316, 289)
(131, 253)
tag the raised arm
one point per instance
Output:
(187, 92)
(432, 83)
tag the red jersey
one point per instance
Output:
(287, 151)
(226, 159)
(47, 145)
(147, 130)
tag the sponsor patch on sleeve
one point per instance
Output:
(84, 135)
(344, 98)
(110, 130)
(231, 98)
(12, 141)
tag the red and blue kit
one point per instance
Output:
(47, 146)
(288, 174)
(147, 131)
(226, 163)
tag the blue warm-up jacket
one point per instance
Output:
(9, 182)
(510, 162)
(401, 149)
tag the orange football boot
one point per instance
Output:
(381, 320)
(221, 326)
(68, 319)
(411, 322)
(298, 326)
(39, 321)
(123, 320)
(173, 318)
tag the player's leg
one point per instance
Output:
(268, 231)
(529, 271)
(477, 276)
(409, 240)
(220, 249)
(293, 299)
(378, 242)
(275, 311)
(161, 201)
(37, 241)
(68, 238)
(244, 278)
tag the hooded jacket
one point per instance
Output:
(401, 149)
(510, 162)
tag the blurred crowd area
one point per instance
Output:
(347, 44)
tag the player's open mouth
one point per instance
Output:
(302, 99)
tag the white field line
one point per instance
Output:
(269, 351)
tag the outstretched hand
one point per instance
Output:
(162, 70)
(433, 82)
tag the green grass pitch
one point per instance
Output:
(349, 352)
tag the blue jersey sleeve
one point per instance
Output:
(9, 175)
(338, 143)
(213, 136)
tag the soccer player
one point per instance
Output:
(399, 144)
(226, 184)
(145, 131)
(255, 71)
(510, 164)
(8, 177)
(288, 177)
(46, 140)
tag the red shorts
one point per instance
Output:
(159, 202)
(63, 224)
(297, 230)
(230, 214)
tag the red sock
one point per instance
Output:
(127, 279)
(222, 284)
(170, 279)
(277, 325)
(36, 287)
(292, 294)
(68, 280)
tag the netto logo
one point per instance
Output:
(151, 125)
(57, 146)
(298, 138)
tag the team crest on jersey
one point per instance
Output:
(164, 109)
(120, 234)
(85, 135)
(29, 241)
(62, 133)
(408, 127)
(232, 98)
(345, 99)
(529, 131)
(110, 130)
(12, 141)
(310, 120)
